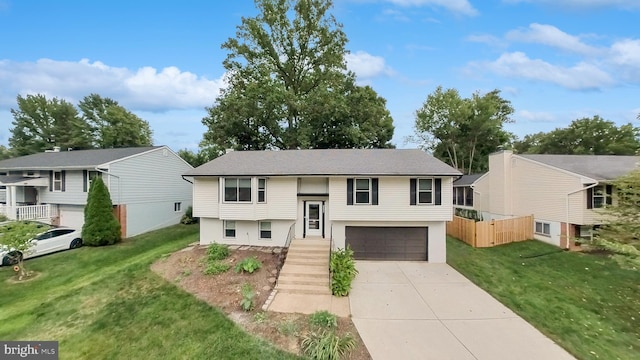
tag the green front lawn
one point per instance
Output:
(586, 303)
(105, 303)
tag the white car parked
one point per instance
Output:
(50, 241)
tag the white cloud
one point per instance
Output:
(463, 7)
(534, 116)
(582, 76)
(487, 39)
(367, 66)
(624, 4)
(141, 89)
(551, 36)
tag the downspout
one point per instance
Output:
(567, 200)
(115, 176)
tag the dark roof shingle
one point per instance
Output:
(71, 159)
(325, 162)
(466, 180)
(597, 167)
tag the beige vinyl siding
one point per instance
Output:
(542, 191)
(313, 185)
(500, 183)
(481, 194)
(247, 232)
(205, 197)
(281, 202)
(393, 202)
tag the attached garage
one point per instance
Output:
(388, 243)
(72, 216)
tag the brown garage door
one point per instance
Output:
(387, 243)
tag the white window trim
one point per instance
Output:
(225, 227)
(177, 206)
(54, 181)
(432, 191)
(224, 191)
(260, 230)
(542, 224)
(89, 180)
(263, 190)
(604, 197)
(355, 191)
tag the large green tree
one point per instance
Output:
(620, 232)
(40, 124)
(595, 136)
(101, 227)
(463, 131)
(113, 126)
(289, 87)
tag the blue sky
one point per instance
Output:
(555, 60)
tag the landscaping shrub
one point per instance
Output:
(326, 344)
(288, 328)
(250, 265)
(101, 227)
(3, 218)
(323, 319)
(216, 267)
(217, 252)
(343, 271)
(188, 218)
(247, 297)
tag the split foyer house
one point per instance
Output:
(557, 189)
(383, 203)
(145, 184)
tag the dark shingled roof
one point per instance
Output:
(597, 167)
(466, 180)
(325, 162)
(79, 159)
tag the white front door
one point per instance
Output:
(313, 223)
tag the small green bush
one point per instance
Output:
(3, 218)
(101, 227)
(247, 297)
(323, 319)
(188, 218)
(288, 328)
(343, 271)
(250, 265)
(216, 267)
(217, 252)
(260, 317)
(327, 344)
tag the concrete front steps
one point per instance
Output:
(306, 268)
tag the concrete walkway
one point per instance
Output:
(417, 310)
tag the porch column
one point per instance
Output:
(11, 202)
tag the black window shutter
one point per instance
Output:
(609, 193)
(84, 180)
(438, 186)
(374, 191)
(50, 180)
(590, 198)
(349, 191)
(412, 191)
(62, 176)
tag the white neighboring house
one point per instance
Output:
(557, 189)
(384, 203)
(145, 183)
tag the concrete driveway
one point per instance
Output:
(417, 310)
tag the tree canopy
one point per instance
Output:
(595, 136)
(289, 87)
(463, 131)
(41, 123)
(113, 126)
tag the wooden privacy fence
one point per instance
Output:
(491, 233)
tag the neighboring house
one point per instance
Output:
(145, 184)
(463, 191)
(384, 203)
(557, 189)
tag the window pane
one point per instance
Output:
(265, 225)
(598, 191)
(230, 233)
(265, 234)
(547, 229)
(244, 194)
(362, 184)
(230, 194)
(538, 227)
(362, 197)
(469, 199)
(230, 225)
(230, 183)
(57, 176)
(261, 196)
(460, 200)
(262, 183)
(57, 185)
(245, 183)
(424, 198)
(598, 202)
(424, 184)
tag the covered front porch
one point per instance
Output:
(21, 199)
